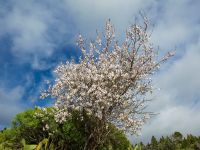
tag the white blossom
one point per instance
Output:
(111, 81)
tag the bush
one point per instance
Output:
(35, 125)
(9, 140)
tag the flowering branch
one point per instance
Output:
(111, 81)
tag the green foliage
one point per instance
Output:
(26, 146)
(116, 141)
(43, 143)
(174, 142)
(138, 147)
(154, 142)
(28, 132)
(9, 140)
(29, 127)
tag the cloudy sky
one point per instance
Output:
(36, 36)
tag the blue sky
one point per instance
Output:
(36, 36)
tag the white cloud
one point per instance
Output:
(10, 104)
(176, 23)
(91, 15)
(178, 101)
(174, 118)
(176, 26)
(36, 29)
(182, 78)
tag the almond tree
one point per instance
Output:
(111, 81)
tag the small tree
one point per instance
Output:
(154, 143)
(110, 82)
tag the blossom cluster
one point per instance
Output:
(111, 80)
(43, 114)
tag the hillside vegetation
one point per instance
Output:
(37, 129)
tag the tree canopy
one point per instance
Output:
(110, 82)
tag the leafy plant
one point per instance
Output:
(28, 147)
(174, 142)
(110, 82)
(30, 131)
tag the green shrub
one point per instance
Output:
(29, 127)
(9, 140)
